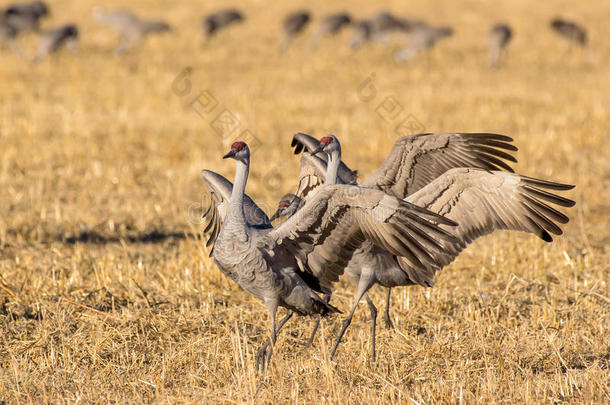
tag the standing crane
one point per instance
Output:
(499, 37)
(131, 28)
(54, 39)
(331, 25)
(293, 25)
(422, 37)
(570, 31)
(220, 20)
(25, 17)
(380, 26)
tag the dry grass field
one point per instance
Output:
(107, 293)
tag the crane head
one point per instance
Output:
(288, 205)
(239, 151)
(328, 144)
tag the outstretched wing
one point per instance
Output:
(338, 219)
(216, 210)
(313, 168)
(482, 201)
(417, 160)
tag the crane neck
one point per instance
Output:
(236, 203)
(332, 167)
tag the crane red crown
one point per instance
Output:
(326, 140)
(239, 145)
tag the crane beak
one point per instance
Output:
(275, 216)
(317, 150)
(230, 154)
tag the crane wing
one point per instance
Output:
(482, 201)
(338, 219)
(219, 189)
(313, 168)
(416, 160)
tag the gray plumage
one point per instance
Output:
(37, 9)
(414, 163)
(131, 28)
(499, 37)
(362, 32)
(570, 30)
(293, 25)
(330, 25)
(287, 265)
(219, 189)
(422, 36)
(288, 205)
(387, 22)
(313, 168)
(25, 17)
(52, 40)
(220, 20)
(380, 26)
(414, 160)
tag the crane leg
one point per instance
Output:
(386, 313)
(373, 310)
(363, 286)
(316, 324)
(263, 356)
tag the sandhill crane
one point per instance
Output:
(362, 31)
(25, 17)
(570, 30)
(52, 40)
(322, 236)
(421, 37)
(411, 166)
(293, 25)
(332, 24)
(36, 8)
(413, 162)
(499, 37)
(130, 27)
(379, 27)
(220, 20)
(388, 22)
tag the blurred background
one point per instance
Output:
(102, 144)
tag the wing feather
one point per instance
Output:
(416, 160)
(219, 189)
(339, 219)
(313, 168)
(482, 201)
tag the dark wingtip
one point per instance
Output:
(546, 236)
(446, 221)
(296, 143)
